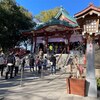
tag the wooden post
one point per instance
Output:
(35, 39)
(46, 39)
(91, 86)
(32, 42)
(46, 45)
(68, 37)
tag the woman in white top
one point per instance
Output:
(17, 63)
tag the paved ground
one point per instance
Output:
(50, 87)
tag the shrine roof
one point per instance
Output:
(54, 21)
(61, 22)
(62, 11)
(90, 7)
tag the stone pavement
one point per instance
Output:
(50, 87)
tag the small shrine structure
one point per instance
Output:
(89, 20)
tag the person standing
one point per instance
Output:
(2, 62)
(37, 62)
(31, 62)
(10, 65)
(17, 63)
(51, 49)
(45, 63)
(40, 54)
(53, 66)
(23, 62)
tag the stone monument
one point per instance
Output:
(91, 86)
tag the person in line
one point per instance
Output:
(31, 63)
(45, 63)
(23, 61)
(51, 48)
(36, 62)
(2, 62)
(40, 62)
(41, 54)
(17, 64)
(53, 64)
(10, 65)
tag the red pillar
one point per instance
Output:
(46, 40)
(35, 39)
(68, 46)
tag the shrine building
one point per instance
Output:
(60, 31)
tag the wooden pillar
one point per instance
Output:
(32, 43)
(66, 43)
(91, 85)
(46, 40)
(68, 37)
(35, 39)
(68, 46)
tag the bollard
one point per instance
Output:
(42, 72)
(21, 81)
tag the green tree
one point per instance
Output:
(12, 19)
(44, 16)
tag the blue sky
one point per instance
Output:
(72, 6)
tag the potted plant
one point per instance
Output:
(76, 84)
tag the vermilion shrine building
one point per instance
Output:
(59, 31)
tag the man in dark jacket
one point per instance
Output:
(10, 65)
(53, 65)
(31, 62)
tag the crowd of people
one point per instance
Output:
(11, 64)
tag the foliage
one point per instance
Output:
(12, 19)
(44, 16)
(98, 83)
